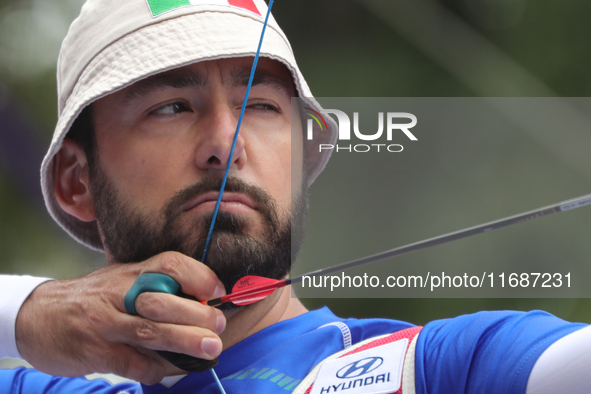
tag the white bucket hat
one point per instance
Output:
(115, 43)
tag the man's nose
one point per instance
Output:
(218, 129)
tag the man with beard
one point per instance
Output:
(149, 96)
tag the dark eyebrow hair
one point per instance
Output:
(173, 79)
(240, 77)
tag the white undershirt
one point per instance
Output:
(565, 367)
(170, 381)
(14, 290)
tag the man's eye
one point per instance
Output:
(170, 109)
(264, 107)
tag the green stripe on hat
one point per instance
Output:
(160, 6)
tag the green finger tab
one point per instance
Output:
(150, 282)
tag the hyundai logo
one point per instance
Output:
(360, 367)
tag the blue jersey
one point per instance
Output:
(486, 352)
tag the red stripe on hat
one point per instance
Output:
(246, 4)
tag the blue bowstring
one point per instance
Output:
(217, 380)
(219, 201)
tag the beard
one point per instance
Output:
(131, 236)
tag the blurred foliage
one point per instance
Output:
(30, 243)
(343, 49)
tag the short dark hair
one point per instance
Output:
(82, 132)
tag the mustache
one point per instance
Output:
(265, 203)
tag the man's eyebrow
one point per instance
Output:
(175, 80)
(240, 77)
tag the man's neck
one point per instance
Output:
(244, 322)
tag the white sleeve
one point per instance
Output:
(564, 367)
(14, 290)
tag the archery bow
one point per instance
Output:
(242, 110)
(229, 163)
(163, 283)
(253, 288)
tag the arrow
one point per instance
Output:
(248, 290)
(255, 288)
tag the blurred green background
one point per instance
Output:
(347, 48)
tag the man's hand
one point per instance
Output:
(80, 326)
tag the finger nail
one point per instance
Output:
(211, 346)
(219, 291)
(220, 323)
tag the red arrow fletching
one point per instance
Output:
(252, 282)
(248, 290)
(251, 289)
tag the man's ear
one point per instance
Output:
(71, 187)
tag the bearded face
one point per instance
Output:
(160, 149)
(233, 253)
